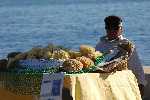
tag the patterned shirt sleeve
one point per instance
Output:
(135, 65)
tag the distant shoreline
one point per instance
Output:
(146, 69)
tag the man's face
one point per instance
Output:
(114, 34)
(120, 30)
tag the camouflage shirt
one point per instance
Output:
(134, 64)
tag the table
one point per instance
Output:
(119, 85)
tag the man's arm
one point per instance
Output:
(135, 65)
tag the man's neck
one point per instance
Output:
(120, 37)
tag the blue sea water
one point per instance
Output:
(28, 23)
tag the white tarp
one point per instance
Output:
(121, 85)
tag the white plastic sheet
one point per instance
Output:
(121, 85)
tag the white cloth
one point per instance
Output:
(134, 63)
(119, 85)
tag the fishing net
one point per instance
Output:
(26, 80)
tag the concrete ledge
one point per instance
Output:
(147, 88)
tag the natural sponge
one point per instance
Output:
(34, 53)
(94, 55)
(47, 55)
(60, 54)
(74, 54)
(21, 56)
(72, 65)
(87, 62)
(86, 49)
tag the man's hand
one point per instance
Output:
(109, 67)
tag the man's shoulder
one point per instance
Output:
(127, 45)
(123, 40)
(127, 41)
(103, 38)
